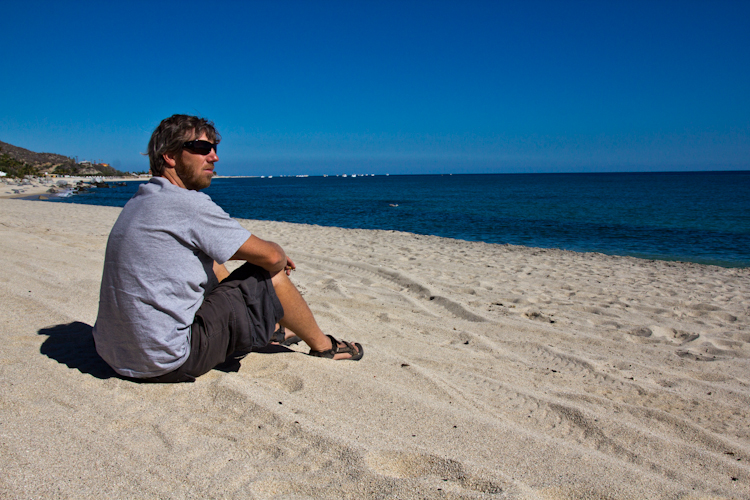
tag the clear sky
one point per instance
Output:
(386, 87)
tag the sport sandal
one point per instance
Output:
(279, 337)
(348, 348)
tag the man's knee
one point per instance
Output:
(279, 279)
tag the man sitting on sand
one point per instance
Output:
(169, 311)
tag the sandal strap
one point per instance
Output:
(330, 353)
(279, 335)
(352, 350)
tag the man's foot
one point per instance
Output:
(284, 337)
(341, 350)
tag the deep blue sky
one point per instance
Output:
(386, 87)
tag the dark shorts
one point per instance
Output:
(240, 314)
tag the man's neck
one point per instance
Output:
(171, 175)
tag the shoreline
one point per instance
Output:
(674, 233)
(489, 369)
(39, 186)
(37, 196)
(702, 262)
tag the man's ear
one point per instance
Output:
(170, 158)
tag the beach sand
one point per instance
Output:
(490, 371)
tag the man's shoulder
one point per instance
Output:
(162, 186)
(159, 190)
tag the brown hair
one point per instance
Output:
(172, 133)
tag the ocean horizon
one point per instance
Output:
(701, 217)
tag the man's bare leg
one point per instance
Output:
(298, 317)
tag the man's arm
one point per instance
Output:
(265, 254)
(220, 271)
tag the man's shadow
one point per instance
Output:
(72, 344)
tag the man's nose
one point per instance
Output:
(212, 156)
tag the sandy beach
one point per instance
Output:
(490, 371)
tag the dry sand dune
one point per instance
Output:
(490, 371)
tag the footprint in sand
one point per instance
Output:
(412, 465)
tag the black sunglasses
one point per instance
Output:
(201, 147)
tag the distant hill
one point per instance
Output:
(30, 157)
(17, 162)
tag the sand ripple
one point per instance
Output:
(492, 371)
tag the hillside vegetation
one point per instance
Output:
(18, 162)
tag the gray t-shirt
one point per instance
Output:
(157, 268)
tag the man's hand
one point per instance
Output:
(290, 266)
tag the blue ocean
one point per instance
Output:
(699, 217)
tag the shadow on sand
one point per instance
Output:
(72, 344)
